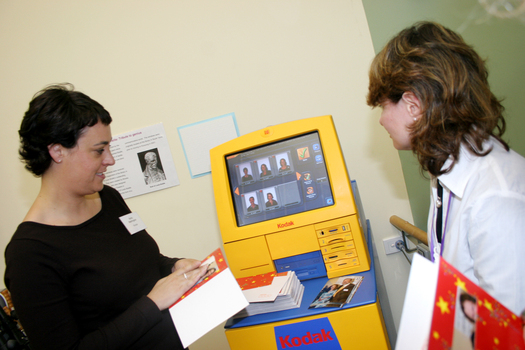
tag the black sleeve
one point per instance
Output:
(166, 264)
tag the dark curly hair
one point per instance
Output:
(450, 80)
(56, 115)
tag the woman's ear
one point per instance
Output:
(413, 104)
(56, 151)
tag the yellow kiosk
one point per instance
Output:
(285, 202)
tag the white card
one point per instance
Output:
(133, 223)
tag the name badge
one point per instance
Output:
(133, 223)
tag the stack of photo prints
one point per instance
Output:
(337, 292)
(270, 292)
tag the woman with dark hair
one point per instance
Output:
(246, 176)
(78, 278)
(436, 102)
(265, 171)
(468, 306)
(271, 202)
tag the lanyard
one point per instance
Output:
(438, 227)
(439, 219)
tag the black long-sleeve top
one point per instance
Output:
(85, 286)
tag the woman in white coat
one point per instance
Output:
(436, 102)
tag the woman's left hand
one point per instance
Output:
(185, 264)
(167, 290)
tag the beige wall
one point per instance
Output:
(180, 62)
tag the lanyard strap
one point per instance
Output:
(439, 219)
(442, 229)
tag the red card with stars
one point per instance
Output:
(265, 287)
(256, 281)
(216, 263)
(467, 317)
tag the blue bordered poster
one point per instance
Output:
(198, 138)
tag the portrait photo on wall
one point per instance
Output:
(337, 292)
(151, 165)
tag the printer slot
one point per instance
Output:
(345, 254)
(342, 237)
(333, 230)
(342, 264)
(328, 249)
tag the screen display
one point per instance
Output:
(279, 179)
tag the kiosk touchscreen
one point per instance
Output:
(279, 179)
(284, 202)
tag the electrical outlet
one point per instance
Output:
(390, 245)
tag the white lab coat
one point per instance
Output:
(484, 221)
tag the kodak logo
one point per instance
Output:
(286, 224)
(309, 338)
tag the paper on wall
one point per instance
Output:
(143, 162)
(198, 138)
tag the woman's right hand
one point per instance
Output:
(169, 289)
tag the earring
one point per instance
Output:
(415, 119)
(59, 161)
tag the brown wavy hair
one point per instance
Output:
(451, 82)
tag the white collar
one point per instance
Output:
(468, 164)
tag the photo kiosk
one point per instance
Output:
(284, 202)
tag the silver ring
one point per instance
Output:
(186, 277)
